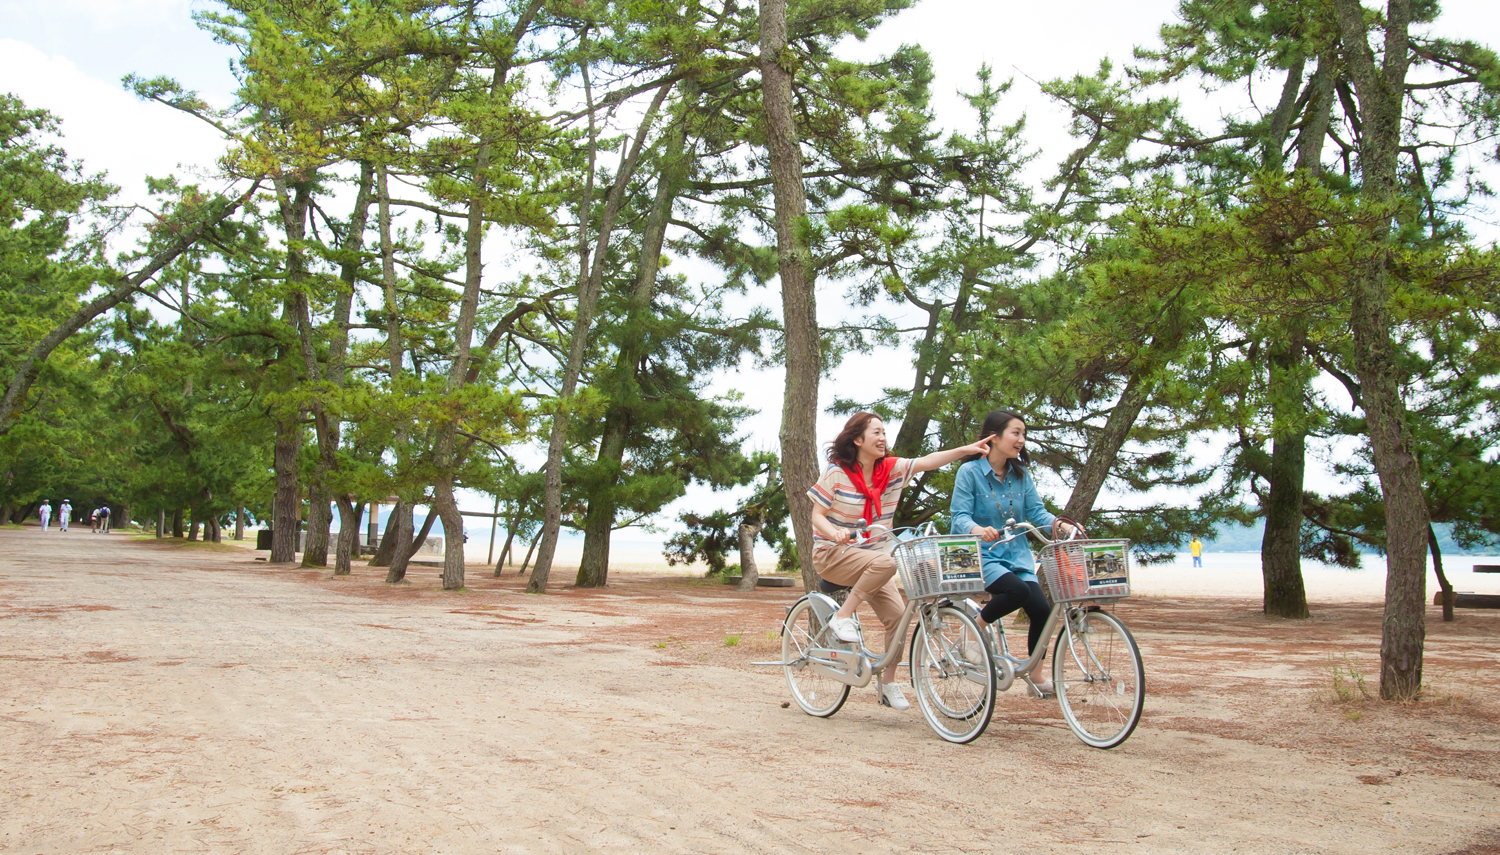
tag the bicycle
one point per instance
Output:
(1097, 671)
(951, 672)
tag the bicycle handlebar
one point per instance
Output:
(1027, 528)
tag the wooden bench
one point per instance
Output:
(1468, 600)
(1487, 568)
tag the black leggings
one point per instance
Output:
(1011, 592)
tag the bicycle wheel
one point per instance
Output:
(952, 674)
(814, 693)
(1101, 684)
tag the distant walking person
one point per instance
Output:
(1197, 547)
(94, 521)
(45, 512)
(104, 520)
(64, 511)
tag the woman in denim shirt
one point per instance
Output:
(988, 491)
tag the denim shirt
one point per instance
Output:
(976, 492)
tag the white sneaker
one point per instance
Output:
(844, 629)
(1041, 688)
(892, 696)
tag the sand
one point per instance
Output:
(170, 698)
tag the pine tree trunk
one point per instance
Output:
(510, 536)
(239, 523)
(348, 535)
(599, 520)
(591, 283)
(403, 545)
(385, 550)
(1281, 544)
(1437, 567)
(177, 522)
(804, 364)
(1106, 447)
(453, 535)
(529, 551)
(593, 570)
(593, 567)
(285, 513)
(1280, 549)
(319, 522)
(749, 573)
(161, 523)
(1381, 93)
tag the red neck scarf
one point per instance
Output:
(881, 478)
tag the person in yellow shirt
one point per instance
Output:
(1197, 547)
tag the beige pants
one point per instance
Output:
(872, 573)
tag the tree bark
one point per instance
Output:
(177, 522)
(161, 523)
(1381, 96)
(239, 522)
(593, 570)
(510, 536)
(804, 363)
(319, 522)
(1437, 567)
(529, 550)
(385, 550)
(591, 282)
(343, 559)
(285, 513)
(1107, 446)
(402, 546)
(749, 573)
(1281, 544)
(599, 519)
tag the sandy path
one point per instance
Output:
(175, 700)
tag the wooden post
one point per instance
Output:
(372, 536)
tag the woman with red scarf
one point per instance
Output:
(863, 483)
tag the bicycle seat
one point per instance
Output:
(827, 587)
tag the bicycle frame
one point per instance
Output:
(853, 667)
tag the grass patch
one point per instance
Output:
(732, 639)
(1348, 683)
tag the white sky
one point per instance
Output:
(68, 56)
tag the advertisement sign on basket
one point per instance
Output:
(960, 562)
(1106, 565)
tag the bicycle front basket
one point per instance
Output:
(1078, 570)
(939, 565)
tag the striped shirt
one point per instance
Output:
(846, 504)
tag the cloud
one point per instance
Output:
(103, 125)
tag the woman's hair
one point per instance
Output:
(995, 424)
(842, 451)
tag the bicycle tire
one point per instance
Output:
(815, 693)
(1099, 678)
(956, 693)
